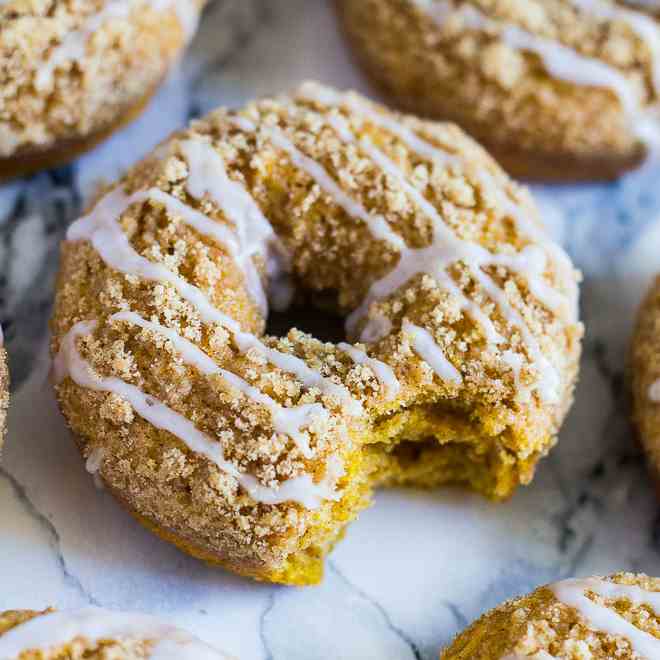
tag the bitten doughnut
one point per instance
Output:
(71, 73)
(645, 377)
(596, 618)
(554, 89)
(254, 451)
(96, 634)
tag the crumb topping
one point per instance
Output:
(503, 94)
(62, 77)
(541, 624)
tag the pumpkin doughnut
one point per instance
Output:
(254, 451)
(4, 390)
(72, 72)
(596, 618)
(95, 634)
(554, 89)
(645, 380)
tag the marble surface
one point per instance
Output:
(417, 566)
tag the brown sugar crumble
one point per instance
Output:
(430, 58)
(67, 82)
(542, 625)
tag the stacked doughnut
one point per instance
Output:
(596, 618)
(71, 72)
(254, 451)
(95, 634)
(555, 89)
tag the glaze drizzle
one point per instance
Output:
(604, 619)
(446, 248)
(94, 624)
(567, 64)
(74, 45)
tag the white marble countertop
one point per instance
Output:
(417, 566)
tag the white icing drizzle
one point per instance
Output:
(294, 365)
(562, 62)
(74, 44)
(207, 175)
(547, 295)
(426, 347)
(93, 465)
(288, 421)
(315, 92)
(102, 229)
(379, 326)
(515, 362)
(486, 324)
(647, 122)
(606, 620)
(301, 489)
(49, 631)
(383, 372)
(447, 248)
(654, 392)
(376, 223)
(644, 26)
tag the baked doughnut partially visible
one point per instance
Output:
(72, 72)
(652, 6)
(254, 451)
(554, 89)
(645, 377)
(595, 618)
(95, 634)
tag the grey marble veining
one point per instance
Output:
(417, 566)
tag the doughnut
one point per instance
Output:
(556, 90)
(597, 618)
(652, 6)
(96, 634)
(71, 73)
(254, 451)
(645, 377)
